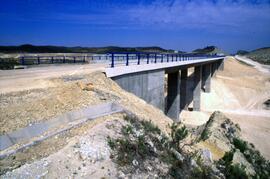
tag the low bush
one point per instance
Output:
(240, 144)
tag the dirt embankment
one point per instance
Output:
(19, 109)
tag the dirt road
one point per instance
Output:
(38, 77)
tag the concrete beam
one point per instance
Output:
(206, 78)
(183, 89)
(197, 88)
(173, 98)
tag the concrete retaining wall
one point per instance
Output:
(149, 86)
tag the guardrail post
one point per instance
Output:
(51, 59)
(84, 59)
(167, 57)
(161, 58)
(112, 64)
(172, 57)
(22, 60)
(155, 58)
(64, 59)
(139, 58)
(74, 59)
(147, 56)
(127, 60)
(38, 60)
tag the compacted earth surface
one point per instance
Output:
(141, 142)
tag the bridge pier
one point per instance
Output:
(206, 78)
(173, 97)
(213, 69)
(197, 88)
(221, 65)
(184, 89)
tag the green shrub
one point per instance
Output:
(205, 135)
(240, 144)
(126, 130)
(235, 171)
(178, 134)
(231, 171)
(228, 157)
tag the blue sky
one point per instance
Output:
(176, 24)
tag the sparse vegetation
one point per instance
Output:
(178, 134)
(143, 142)
(261, 55)
(241, 52)
(8, 63)
(229, 169)
(259, 163)
(240, 144)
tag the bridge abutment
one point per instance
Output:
(149, 86)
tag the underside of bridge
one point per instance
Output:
(152, 87)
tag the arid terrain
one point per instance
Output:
(39, 94)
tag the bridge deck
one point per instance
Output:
(121, 70)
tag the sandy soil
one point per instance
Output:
(239, 92)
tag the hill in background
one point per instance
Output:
(261, 55)
(210, 50)
(61, 49)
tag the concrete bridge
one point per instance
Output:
(144, 75)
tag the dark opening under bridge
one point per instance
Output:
(143, 74)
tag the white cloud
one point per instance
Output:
(204, 15)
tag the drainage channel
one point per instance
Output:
(40, 131)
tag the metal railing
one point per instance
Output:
(44, 59)
(115, 58)
(120, 59)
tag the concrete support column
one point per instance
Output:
(197, 88)
(183, 89)
(206, 78)
(213, 69)
(173, 98)
(221, 65)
